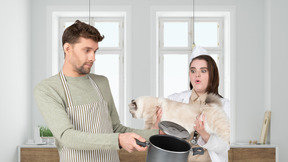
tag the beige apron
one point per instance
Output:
(90, 118)
(198, 158)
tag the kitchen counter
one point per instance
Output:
(36, 146)
(238, 152)
(247, 145)
(233, 145)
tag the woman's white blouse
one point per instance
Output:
(217, 148)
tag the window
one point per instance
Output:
(175, 46)
(166, 57)
(110, 56)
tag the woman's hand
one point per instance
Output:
(199, 126)
(159, 116)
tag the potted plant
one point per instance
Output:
(46, 135)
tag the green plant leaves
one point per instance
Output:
(45, 132)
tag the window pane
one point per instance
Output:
(175, 74)
(111, 32)
(175, 34)
(216, 58)
(67, 24)
(206, 34)
(108, 65)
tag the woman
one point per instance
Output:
(204, 79)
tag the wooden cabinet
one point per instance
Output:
(252, 155)
(35, 154)
(237, 153)
(248, 153)
(39, 155)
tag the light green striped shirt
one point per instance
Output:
(50, 98)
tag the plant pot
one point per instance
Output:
(48, 140)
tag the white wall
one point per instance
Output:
(248, 35)
(251, 60)
(15, 83)
(260, 43)
(279, 76)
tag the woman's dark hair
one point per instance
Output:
(79, 29)
(213, 82)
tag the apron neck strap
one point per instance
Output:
(96, 88)
(66, 89)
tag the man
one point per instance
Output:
(78, 106)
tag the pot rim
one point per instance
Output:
(178, 152)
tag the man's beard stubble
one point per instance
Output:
(81, 70)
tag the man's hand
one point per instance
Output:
(128, 142)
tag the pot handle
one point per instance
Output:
(143, 144)
(198, 151)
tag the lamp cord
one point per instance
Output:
(193, 17)
(89, 13)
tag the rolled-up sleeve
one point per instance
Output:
(214, 144)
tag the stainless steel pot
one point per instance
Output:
(168, 148)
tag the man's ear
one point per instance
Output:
(67, 48)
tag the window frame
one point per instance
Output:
(187, 50)
(58, 21)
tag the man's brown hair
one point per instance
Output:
(79, 29)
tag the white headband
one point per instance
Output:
(197, 51)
